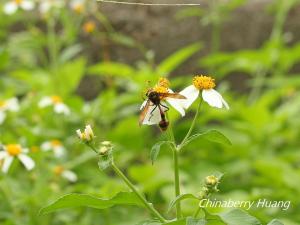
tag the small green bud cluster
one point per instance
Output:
(210, 186)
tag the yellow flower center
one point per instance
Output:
(56, 99)
(58, 170)
(203, 82)
(160, 89)
(164, 82)
(13, 149)
(55, 143)
(18, 2)
(89, 27)
(2, 104)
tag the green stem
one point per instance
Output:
(197, 212)
(192, 125)
(177, 183)
(138, 194)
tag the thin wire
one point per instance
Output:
(145, 4)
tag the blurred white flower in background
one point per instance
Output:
(56, 102)
(77, 6)
(67, 174)
(11, 104)
(46, 5)
(11, 151)
(12, 6)
(56, 146)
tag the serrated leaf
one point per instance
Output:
(193, 221)
(275, 222)
(156, 149)
(176, 59)
(211, 135)
(238, 217)
(180, 198)
(79, 200)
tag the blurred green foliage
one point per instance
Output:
(45, 54)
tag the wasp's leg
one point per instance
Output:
(151, 113)
(166, 107)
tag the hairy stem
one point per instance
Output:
(138, 194)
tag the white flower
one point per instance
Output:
(205, 85)
(87, 135)
(47, 5)
(67, 174)
(54, 145)
(57, 103)
(77, 5)
(11, 104)
(153, 114)
(12, 151)
(13, 5)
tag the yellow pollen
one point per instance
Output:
(2, 104)
(160, 89)
(56, 99)
(203, 82)
(18, 2)
(58, 170)
(13, 149)
(89, 27)
(55, 143)
(164, 82)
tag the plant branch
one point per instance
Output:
(138, 194)
(192, 125)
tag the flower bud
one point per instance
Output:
(211, 181)
(104, 150)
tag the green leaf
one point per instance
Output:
(180, 198)
(156, 149)
(193, 221)
(71, 73)
(211, 135)
(275, 222)
(238, 217)
(177, 222)
(79, 200)
(176, 59)
(112, 69)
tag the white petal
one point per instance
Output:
(69, 175)
(213, 98)
(7, 162)
(153, 116)
(2, 117)
(27, 5)
(12, 104)
(46, 101)
(10, 7)
(27, 161)
(46, 146)
(59, 151)
(176, 104)
(191, 93)
(225, 103)
(143, 105)
(3, 154)
(61, 108)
